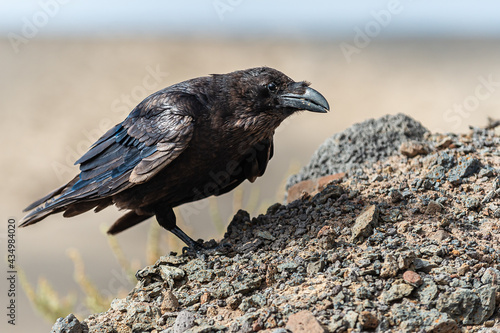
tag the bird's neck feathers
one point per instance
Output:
(239, 106)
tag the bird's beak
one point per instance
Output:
(307, 99)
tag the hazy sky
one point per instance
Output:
(289, 18)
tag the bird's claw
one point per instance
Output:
(201, 250)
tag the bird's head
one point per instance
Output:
(264, 96)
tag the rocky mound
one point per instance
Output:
(407, 244)
(360, 145)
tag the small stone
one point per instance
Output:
(441, 325)
(171, 260)
(466, 167)
(468, 307)
(412, 278)
(315, 267)
(363, 293)
(437, 173)
(248, 284)
(433, 208)
(330, 192)
(119, 305)
(146, 272)
(271, 274)
(196, 265)
(463, 269)
(445, 143)
(443, 223)
(183, 322)
(288, 266)
(472, 203)
(212, 311)
(389, 267)
(486, 171)
(273, 208)
(171, 273)
(407, 315)
(245, 304)
(368, 320)
(430, 250)
(377, 178)
(487, 198)
(487, 297)
(396, 292)
(311, 186)
(249, 246)
(424, 265)
(365, 222)
(442, 279)
(406, 259)
(254, 302)
(351, 317)
(339, 325)
(396, 196)
(440, 235)
(121, 328)
(427, 292)
(327, 237)
(205, 297)
(324, 231)
(141, 327)
(264, 234)
(491, 277)
(169, 303)
(70, 324)
(414, 148)
(234, 301)
(257, 326)
(304, 322)
(224, 290)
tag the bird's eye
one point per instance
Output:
(272, 86)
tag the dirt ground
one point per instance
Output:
(58, 96)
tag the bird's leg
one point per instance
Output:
(166, 218)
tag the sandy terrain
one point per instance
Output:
(57, 97)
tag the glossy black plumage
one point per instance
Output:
(194, 139)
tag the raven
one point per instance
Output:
(194, 139)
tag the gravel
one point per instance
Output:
(400, 244)
(361, 145)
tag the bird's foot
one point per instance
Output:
(202, 249)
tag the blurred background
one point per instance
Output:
(69, 70)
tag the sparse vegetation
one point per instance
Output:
(51, 305)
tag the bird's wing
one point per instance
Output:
(152, 136)
(252, 166)
(256, 163)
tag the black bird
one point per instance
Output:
(194, 139)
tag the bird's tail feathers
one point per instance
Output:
(59, 200)
(51, 206)
(51, 195)
(126, 221)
